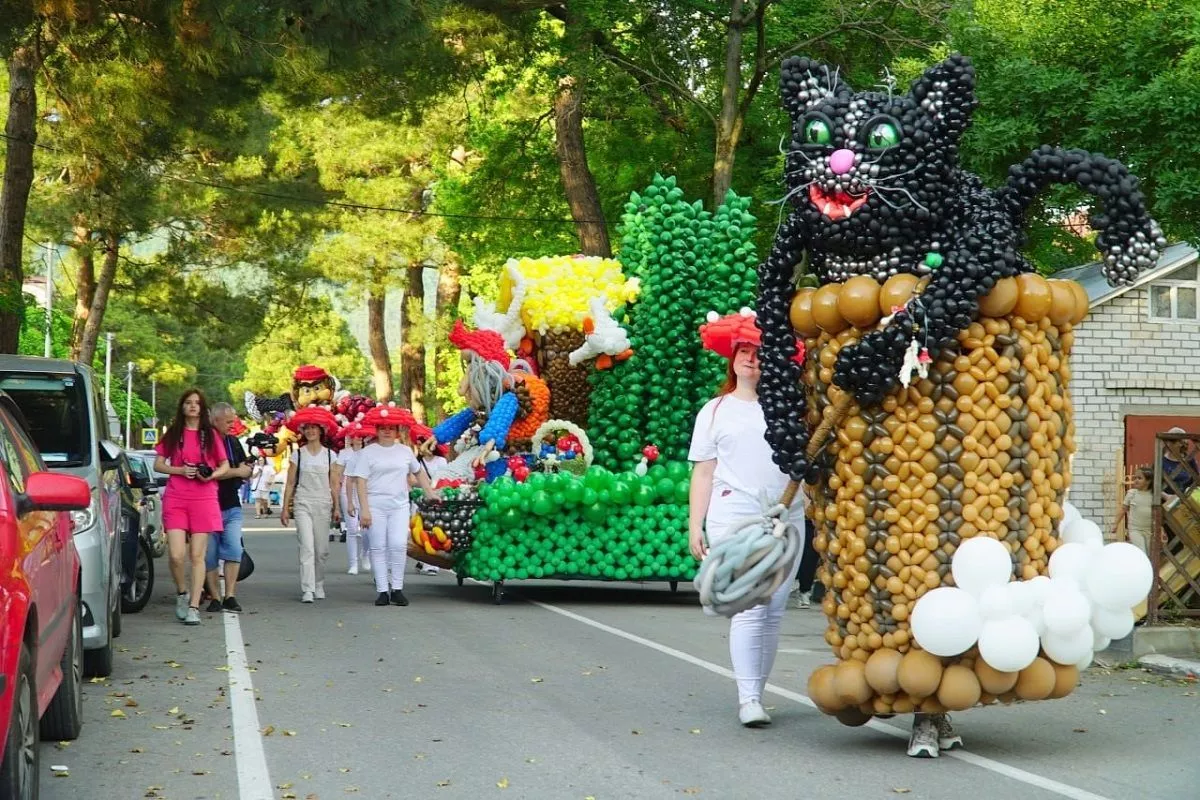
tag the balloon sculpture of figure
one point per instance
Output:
(505, 402)
(931, 416)
(311, 386)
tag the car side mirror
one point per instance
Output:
(110, 454)
(50, 491)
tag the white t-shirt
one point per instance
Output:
(314, 471)
(265, 477)
(386, 470)
(733, 431)
(434, 464)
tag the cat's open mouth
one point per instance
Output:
(836, 205)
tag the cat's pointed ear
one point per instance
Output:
(803, 83)
(947, 92)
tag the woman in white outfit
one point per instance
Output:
(382, 471)
(311, 497)
(731, 471)
(355, 435)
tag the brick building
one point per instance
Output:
(1134, 374)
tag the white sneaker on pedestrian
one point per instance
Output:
(923, 743)
(320, 593)
(366, 568)
(352, 571)
(752, 715)
(181, 606)
(947, 738)
(192, 617)
(307, 597)
(803, 599)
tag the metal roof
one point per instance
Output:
(1174, 257)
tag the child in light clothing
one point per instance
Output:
(1137, 511)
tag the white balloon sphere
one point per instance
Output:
(1085, 532)
(1066, 608)
(1111, 624)
(1100, 642)
(1008, 645)
(1035, 618)
(945, 621)
(1070, 515)
(996, 602)
(1071, 560)
(980, 562)
(1068, 648)
(1085, 662)
(1020, 596)
(1119, 577)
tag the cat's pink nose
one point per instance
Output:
(841, 161)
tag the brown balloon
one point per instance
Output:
(1082, 301)
(858, 301)
(882, 671)
(1001, 300)
(801, 314)
(919, 673)
(1034, 300)
(850, 683)
(821, 689)
(895, 292)
(1066, 678)
(1062, 303)
(1036, 681)
(853, 717)
(993, 681)
(959, 689)
(825, 309)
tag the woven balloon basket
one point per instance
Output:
(443, 528)
(979, 446)
(549, 432)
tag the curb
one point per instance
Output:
(1168, 665)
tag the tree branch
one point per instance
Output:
(760, 59)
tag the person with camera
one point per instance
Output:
(190, 452)
(226, 544)
(311, 496)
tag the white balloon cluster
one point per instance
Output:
(1084, 604)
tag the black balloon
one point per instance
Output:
(875, 189)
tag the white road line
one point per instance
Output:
(1050, 785)
(254, 781)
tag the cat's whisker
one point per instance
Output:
(873, 181)
(881, 190)
(790, 194)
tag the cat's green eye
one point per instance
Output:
(882, 136)
(817, 132)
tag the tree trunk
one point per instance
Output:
(104, 282)
(579, 185)
(729, 125)
(412, 347)
(449, 292)
(85, 287)
(381, 362)
(21, 132)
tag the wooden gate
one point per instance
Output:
(1175, 545)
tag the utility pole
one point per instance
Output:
(154, 403)
(128, 404)
(108, 340)
(49, 295)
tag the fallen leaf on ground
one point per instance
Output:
(200, 772)
(417, 679)
(900, 790)
(62, 745)
(288, 796)
(283, 786)
(131, 703)
(174, 711)
(173, 664)
(692, 790)
(535, 680)
(350, 789)
(636, 733)
(137, 749)
(694, 730)
(343, 769)
(116, 712)
(345, 725)
(267, 731)
(443, 784)
(289, 733)
(531, 761)
(1080, 730)
(60, 771)
(226, 668)
(502, 783)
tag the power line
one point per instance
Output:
(335, 203)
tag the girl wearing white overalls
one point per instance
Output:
(355, 435)
(382, 471)
(311, 497)
(732, 473)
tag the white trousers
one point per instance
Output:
(388, 538)
(356, 542)
(754, 633)
(312, 532)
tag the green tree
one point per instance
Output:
(310, 334)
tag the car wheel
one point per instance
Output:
(135, 596)
(64, 715)
(98, 663)
(19, 767)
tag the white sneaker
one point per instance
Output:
(352, 571)
(366, 568)
(752, 715)
(192, 617)
(923, 743)
(307, 597)
(803, 599)
(320, 593)
(947, 738)
(181, 606)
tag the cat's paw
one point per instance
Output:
(870, 368)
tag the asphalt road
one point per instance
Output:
(565, 691)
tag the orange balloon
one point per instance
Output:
(1001, 300)
(895, 292)
(959, 689)
(1082, 301)
(821, 689)
(1036, 681)
(1062, 303)
(801, 312)
(825, 309)
(859, 301)
(1035, 300)
(919, 673)
(1066, 678)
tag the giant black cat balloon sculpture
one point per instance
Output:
(875, 189)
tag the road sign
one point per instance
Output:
(149, 436)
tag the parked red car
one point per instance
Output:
(41, 631)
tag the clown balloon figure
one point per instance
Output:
(931, 416)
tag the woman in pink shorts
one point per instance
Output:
(192, 454)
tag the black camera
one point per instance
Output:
(202, 470)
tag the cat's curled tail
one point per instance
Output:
(1129, 241)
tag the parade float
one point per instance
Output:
(582, 382)
(930, 422)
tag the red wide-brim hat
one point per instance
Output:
(357, 430)
(309, 373)
(313, 415)
(723, 335)
(486, 344)
(390, 416)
